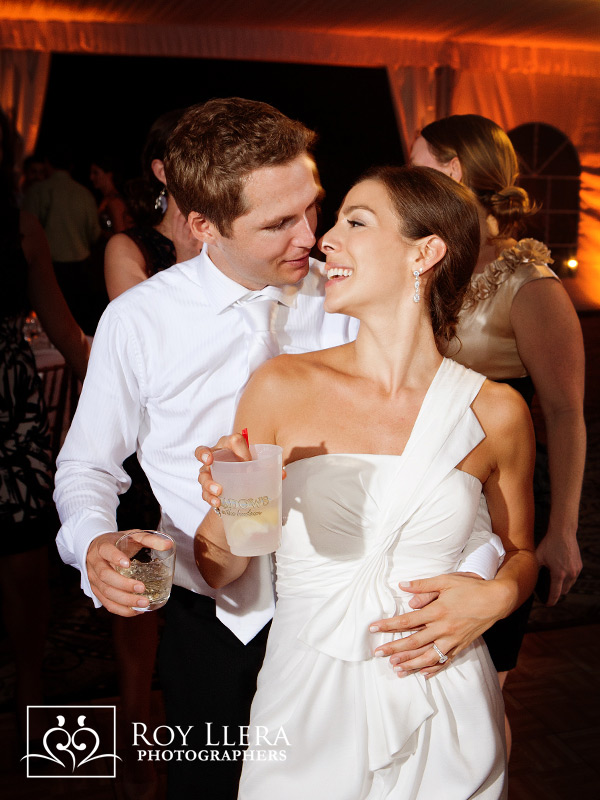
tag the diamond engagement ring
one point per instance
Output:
(443, 658)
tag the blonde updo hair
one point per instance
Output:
(489, 166)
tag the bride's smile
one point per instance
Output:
(338, 272)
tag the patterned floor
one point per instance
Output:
(553, 703)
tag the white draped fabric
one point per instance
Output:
(23, 81)
(413, 93)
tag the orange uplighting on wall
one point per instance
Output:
(584, 287)
(46, 11)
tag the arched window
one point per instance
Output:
(550, 172)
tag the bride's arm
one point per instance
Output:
(509, 491)
(214, 559)
(467, 606)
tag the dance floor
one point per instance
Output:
(552, 697)
(553, 703)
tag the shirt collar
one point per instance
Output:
(222, 292)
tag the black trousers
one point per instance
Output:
(207, 676)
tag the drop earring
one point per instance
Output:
(160, 204)
(417, 274)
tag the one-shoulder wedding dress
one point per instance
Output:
(355, 526)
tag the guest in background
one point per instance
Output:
(161, 236)
(33, 171)
(26, 509)
(113, 213)
(518, 325)
(68, 214)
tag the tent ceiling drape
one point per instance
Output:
(516, 62)
(555, 23)
(553, 36)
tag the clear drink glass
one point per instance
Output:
(152, 562)
(251, 499)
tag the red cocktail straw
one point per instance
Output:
(245, 435)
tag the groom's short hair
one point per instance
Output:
(217, 144)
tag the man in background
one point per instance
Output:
(68, 214)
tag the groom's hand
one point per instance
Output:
(463, 607)
(118, 594)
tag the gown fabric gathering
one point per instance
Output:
(354, 527)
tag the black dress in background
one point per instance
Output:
(158, 251)
(26, 508)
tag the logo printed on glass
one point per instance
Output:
(251, 499)
(244, 506)
(79, 742)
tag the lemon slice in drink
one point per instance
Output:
(245, 527)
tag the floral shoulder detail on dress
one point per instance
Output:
(486, 283)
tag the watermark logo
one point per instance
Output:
(209, 742)
(72, 746)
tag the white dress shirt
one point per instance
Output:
(168, 359)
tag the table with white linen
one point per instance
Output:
(61, 388)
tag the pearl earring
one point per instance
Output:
(417, 274)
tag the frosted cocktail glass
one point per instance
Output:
(152, 562)
(251, 499)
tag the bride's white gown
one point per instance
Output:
(355, 526)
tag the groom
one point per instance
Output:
(169, 360)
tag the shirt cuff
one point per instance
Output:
(73, 548)
(484, 558)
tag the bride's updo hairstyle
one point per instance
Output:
(427, 203)
(488, 162)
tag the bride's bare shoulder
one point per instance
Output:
(290, 366)
(501, 410)
(298, 372)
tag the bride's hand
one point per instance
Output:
(237, 445)
(465, 607)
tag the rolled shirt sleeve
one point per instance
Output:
(483, 553)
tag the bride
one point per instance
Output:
(387, 447)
